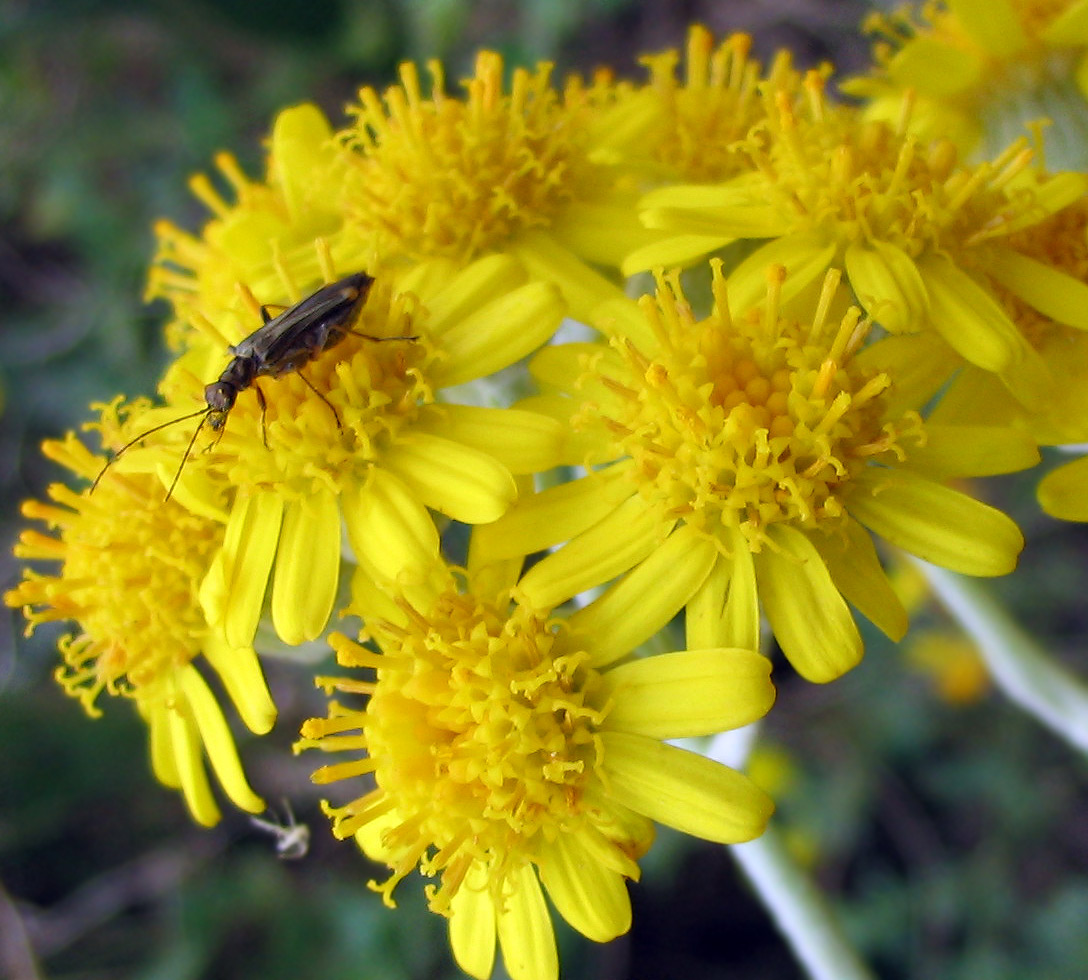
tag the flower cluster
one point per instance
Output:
(873, 311)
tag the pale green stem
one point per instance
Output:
(799, 909)
(1018, 665)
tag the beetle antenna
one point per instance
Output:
(143, 435)
(188, 450)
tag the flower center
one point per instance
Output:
(479, 737)
(446, 177)
(325, 422)
(131, 567)
(743, 424)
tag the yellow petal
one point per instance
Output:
(609, 548)
(389, 529)
(307, 567)
(645, 599)
(187, 761)
(301, 143)
(739, 209)
(670, 252)
(472, 926)
(591, 898)
(808, 615)
(683, 790)
(545, 259)
(918, 365)
(556, 514)
(1050, 291)
(600, 233)
(1069, 28)
(218, 741)
(934, 67)
(525, 929)
(1063, 493)
(690, 693)
(502, 332)
(523, 441)
(993, 24)
(725, 610)
(973, 450)
(806, 258)
(459, 481)
(851, 558)
(888, 285)
(249, 548)
(968, 317)
(240, 672)
(452, 295)
(934, 522)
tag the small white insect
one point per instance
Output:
(292, 838)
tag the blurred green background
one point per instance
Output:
(952, 836)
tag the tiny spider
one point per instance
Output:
(292, 838)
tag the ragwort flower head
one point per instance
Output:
(354, 438)
(264, 233)
(1044, 271)
(983, 70)
(701, 119)
(526, 172)
(913, 228)
(131, 566)
(747, 459)
(509, 750)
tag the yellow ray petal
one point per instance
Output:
(1063, 493)
(523, 441)
(241, 674)
(934, 522)
(888, 285)
(973, 450)
(453, 295)
(525, 930)
(218, 741)
(689, 693)
(917, 364)
(307, 567)
(934, 67)
(684, 790)
(456, 480)
(472, 927)
(500, 333)
(1069, 28)
(809, 616)
(851, 558)
(645, 599)
(600, 233)
(725, 610)
(993, 24)
(805, 258)
(554, 515)
(676, 250)
(609, 548)
(591, 898)
(968, 317)
(234, 591)
(389, 529)
(187, 761)
(1050, 291)
(582, 286)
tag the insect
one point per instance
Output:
(282, 344)
(292, 838)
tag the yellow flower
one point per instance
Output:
(700, 120)
(510, 749)
(265, 237)
(746, 461)
(916, 232)
(984, 69)
(130, 568)
(356, 438)
(1063, 492)
(529, 173)
(1043, 271)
